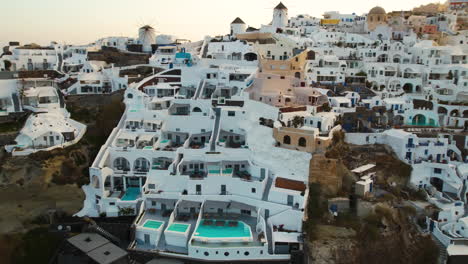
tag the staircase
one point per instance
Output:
(214, 135)
(60, 62)
(16, 102)
(442, 251)
(97, 229)
(269, 233)
(199, 90)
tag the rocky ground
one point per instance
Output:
(34, 186)
(387, 233)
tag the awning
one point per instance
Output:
(126, 135)
(145, 137)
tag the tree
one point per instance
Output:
(7, 65)
(326, 107)
(298, 121)
(361, 73)
(450, 75)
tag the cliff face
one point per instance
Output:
(382, 231)
(34, 187)
(30, 186)
(335, 245)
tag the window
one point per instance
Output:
(254, 190)
(111, 204)
(245, 212)
(287, 140)
(231, 113)
(45, 138)
(246, 253)
(153, 203)
(57, 137)
(437, 170)
(302, 142)
(206, 254)
(151, 186)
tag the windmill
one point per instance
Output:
(280, 13)
(147, 34)
(146, 37)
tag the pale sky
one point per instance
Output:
(84, 21)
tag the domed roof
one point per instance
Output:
(377, 11)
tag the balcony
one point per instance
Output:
(410, 146)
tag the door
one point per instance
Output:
(319, 125)
(203, 140)
(163, 207)
(236, 168)
(147, 239)
(198, 189)
(51, 140)
(290, 200)
(177, 139)
(223, 189)
(408, 155)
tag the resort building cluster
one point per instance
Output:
(212, 153)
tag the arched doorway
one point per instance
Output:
(141, 165)
(95, 181)
(122, 164)
(287, 140)
(419, 120)
(408, 88)
(250, 56)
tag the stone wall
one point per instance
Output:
(325, 172)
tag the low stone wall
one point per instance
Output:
(7, 138)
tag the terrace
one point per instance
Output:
(161, 163)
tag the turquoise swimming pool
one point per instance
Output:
(216, 228)
(153, 224)
(178, 228)
(131, 194)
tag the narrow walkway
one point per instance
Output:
(214, 136)
(269, 233)
(266, 191)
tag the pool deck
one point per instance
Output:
(162, 242)
(153, 216)
(250, 221)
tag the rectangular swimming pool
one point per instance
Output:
(222, 228)
(178, 228)
(131, 194)
(153, 224)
